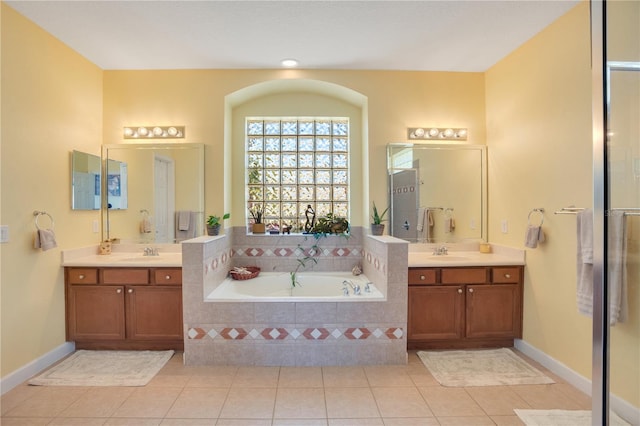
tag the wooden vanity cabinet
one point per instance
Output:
(124, 308)
(464, 307)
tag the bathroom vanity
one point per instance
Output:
(124, 301)
(464, 300)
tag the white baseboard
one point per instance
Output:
(27, 371)
(621, 407)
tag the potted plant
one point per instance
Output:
(256, 213)
(331, 224)
(214, 222)
(377, 227)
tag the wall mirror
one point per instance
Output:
(163, 195)
(85, 181)
(438, 193)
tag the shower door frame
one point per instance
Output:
(601, 84)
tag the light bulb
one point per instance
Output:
(433, 132)
(462, 133)
(419, 132)
(448, 133)
(128, 131)
(143, 131)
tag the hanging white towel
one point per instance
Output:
(183, 220)
(45, 239)
(182, 234)
(584, 239)
(617, 267)
(533, 236)
(421, 216)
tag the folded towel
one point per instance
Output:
(183, 220)
(45, 239)
(449, 225)
(617, 267)
(533, 236)
(584, 238)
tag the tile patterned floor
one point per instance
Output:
(279, 396)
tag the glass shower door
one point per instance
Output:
(622, 262)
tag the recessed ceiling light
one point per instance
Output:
(289, 63)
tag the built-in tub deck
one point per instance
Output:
(310, 287)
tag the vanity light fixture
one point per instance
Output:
(154, 132)
(437, 133)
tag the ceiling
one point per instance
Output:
(467, 36)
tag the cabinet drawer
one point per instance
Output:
(464, 275)
(125, 276)
(167, 276)
(505, 275)
(422, 276)
(82, 275)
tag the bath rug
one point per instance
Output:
(563, 418)
(105, 368)
(492, 367)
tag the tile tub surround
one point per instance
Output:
(294, 333)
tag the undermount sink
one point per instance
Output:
(141, 259)
(447, 257)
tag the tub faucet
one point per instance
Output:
(367, 287)
(356, 288)
(440, 250)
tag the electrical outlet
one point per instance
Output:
(4, 233)
(472, 224)
(504, 225)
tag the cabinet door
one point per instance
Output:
(96, 312)
(493, 311)
(435, 313)
(154, 312)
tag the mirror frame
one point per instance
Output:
(482, 149)
(148, 146)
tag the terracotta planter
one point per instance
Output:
(377, 229)
(258, 228)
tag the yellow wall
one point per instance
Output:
(51, 105)
(539, 144)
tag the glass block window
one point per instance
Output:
(292, 163)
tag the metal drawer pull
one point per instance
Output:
(119, 291)
(167, 277)
(459, 291)
(422, 277)
(470, 290)
(130, 291)
(507, 275)
(81, 276)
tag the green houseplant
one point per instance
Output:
(214, 222)
(377, 227)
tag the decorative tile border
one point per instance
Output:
(308, 333)
(297, 252)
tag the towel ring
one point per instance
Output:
(37, 214)
(539, 210)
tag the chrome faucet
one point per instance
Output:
(356, 288)
(151, 251)
(440, 250)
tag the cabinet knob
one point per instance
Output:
(422, 277)
(470, 290)
(459, 291)
(507, 275)
(119, 291)
(167, 277)
(81, 276)
(130, 291)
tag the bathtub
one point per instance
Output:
(311, 287)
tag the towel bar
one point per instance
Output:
(37, 214)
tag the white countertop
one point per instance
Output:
(125, 256)
(500, 255)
